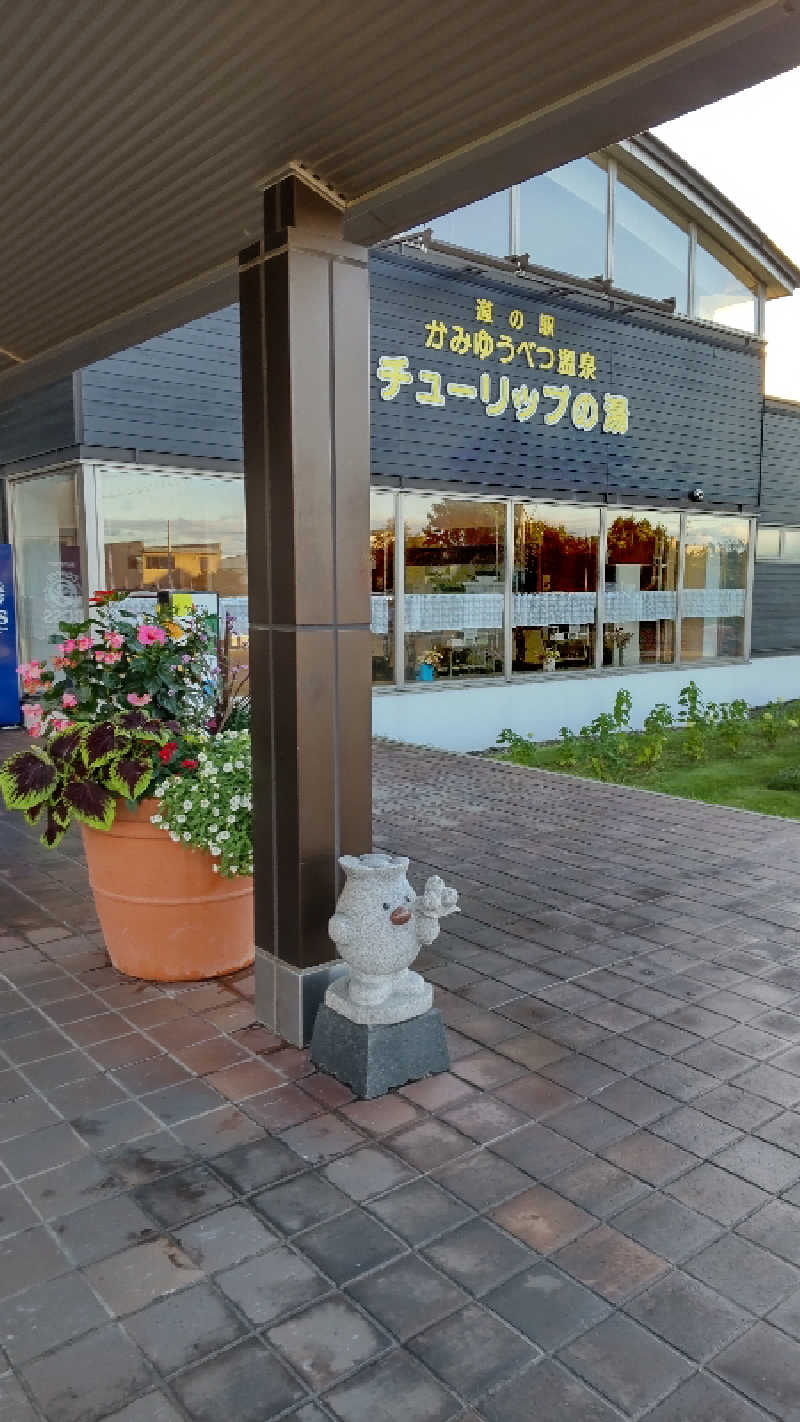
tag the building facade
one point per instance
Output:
(576, 480)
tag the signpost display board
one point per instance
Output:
(9, 681)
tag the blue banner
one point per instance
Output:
(9, 682)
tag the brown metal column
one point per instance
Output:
(304, 302)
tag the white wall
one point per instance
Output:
(469, 717)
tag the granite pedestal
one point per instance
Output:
(372, 1058)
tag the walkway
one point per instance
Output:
(594, 1215)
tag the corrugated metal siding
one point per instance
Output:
(39, 423)
(695, 400)
(780, 470)
(176, 394)
(776, 607)
(141, 132)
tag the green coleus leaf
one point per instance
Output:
(103, 742)
(33, 814)
(53, 832)
(27, 779)
(91, 803)
(66, 746)
(129, 777)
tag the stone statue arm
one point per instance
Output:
(437, 902)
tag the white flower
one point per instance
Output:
(187, 804)
(227, 767)
(239, 764)
(213, 829)
(215, 850)
(215, 867)
(225, 834)
(204, 804)
(180, 819)
(187, 835)
(156, 819)
(176, 839)
(234, 870)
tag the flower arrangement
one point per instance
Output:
(210, 807)
(116, 660)
(432, 658)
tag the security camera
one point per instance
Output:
(696, 496)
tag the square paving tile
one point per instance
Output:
(560, 1397)
(666, 1227)
(430, 1144)
(15, 1212)
(105, 1228)
(134, 1278)
(485, 1119)
(247, 1382)
(547, 1306)
(270, 1285)
(542, 1219)
(762, 1164)
(349, 1245)
(86, 1380)
(407, 1296)
(704, 1399)
(14, 1404)
(377, 1118)
(626, 1363)
(746, 1273)
(472, 1351)
(114, 1124)
(47, 1316)
(174, 1199)
(301, 1202)
(783, 1131)
(137, 1162)
(179, 1330)
(535, 1096)
(765, 1366)
(322, 1137)
(477, 1256)
(225, 1237)
(489, 1070)
(437, 1093)
(29, 1258)
(366, 1172)
(41, 1150)
(718, 1194)
(777, 1228)
(258, 1163)
(694, 1131)
(600, 1187)
(539, 1151)
(690, 1316)
(58, 1192)
(610, 1263)
(650, 1158)
(396, 1389)
(327, 1341)
(420, 1211)
(738, 1108)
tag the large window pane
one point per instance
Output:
(48, 560)
(791, 545)
(554, 586)
(768, 543)
(381, 547)
(714, 587)
(455, 561)
(651, 252)
(640, 587)
(563, 218)
(481, 226)
(184, 532)
(719, 295)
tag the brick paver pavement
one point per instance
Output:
(594, 1215)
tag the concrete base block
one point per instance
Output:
(372, 1059)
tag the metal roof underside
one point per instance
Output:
(138, 134)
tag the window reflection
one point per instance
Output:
(651, 252)
(714, 585)
(563, 218)
(640, 587)
(454, 587)
(381, 547)
(719, 295)
(185, 532)
(481, 226)
(554, 597)
(48, 559)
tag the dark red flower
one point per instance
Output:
(189, 764)
(167, 752)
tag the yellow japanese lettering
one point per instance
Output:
(394, 372)
(559, 393)
(615, 414)
(516, 320)
(460, 341)
(566, 362)
(483, 344)
(547, 325)
(506, 343)
(462, 392)
(548, 357)
(432, 396)
(528, 349)
(587, 366)
(500, 405)
(436, 335)
(525, 402)
(484, 309)
(584, 411)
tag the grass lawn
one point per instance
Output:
(720, 778)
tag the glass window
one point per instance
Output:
(481, 226)
(554, 597)
(714, 585)
(454, 587)
(768, 543)
(381, 547)
(640, 587)
(651, 251)
(185, 532)
(719, 295)
(44, 520)
(791, 545)
(563, 218)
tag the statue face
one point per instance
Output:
(374, 923)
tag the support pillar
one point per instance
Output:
(304, 303)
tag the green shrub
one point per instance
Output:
(788, 779)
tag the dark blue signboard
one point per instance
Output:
(9, 682)
(488, 380)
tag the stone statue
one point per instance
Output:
(379, 927)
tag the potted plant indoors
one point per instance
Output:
(142, 741)
(429, 664)
(551, 657)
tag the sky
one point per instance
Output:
(744, 145)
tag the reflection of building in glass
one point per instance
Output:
(187, 566)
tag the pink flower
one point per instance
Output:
(32, 718)
(99, 656)
(139, 700)
(111, 657)
(68, 647)
(84, 643)
(114, 639)
(147, 635)
(68, 700)
(60, 723)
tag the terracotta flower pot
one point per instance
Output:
(164, 913)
